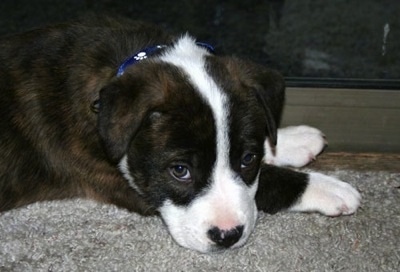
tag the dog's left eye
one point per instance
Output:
(248, 159)
(180, 172)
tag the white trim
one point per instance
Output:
(124, 169)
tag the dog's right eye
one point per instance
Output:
(181, 173)
(248, 160)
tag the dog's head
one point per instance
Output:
(187, 130)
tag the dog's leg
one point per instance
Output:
(284, 189)
(296, 146)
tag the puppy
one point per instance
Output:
(122, 112)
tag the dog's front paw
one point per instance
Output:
(328, 196)
(296, 146)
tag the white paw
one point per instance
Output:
(328, 196)
(296, 146)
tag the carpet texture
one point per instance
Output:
(81, 235)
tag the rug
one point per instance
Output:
(82, 235)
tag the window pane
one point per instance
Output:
(307, 40)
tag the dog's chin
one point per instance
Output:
(189, 229)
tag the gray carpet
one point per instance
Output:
(81, 235)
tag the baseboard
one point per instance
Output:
(355, 120)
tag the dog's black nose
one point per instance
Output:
(225, 238)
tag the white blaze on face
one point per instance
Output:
(228, 202)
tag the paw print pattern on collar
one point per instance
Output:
(138, 56)
(148, 52)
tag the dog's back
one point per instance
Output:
(48, 80)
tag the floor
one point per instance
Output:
(357, 161)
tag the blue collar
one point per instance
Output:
(148, 52)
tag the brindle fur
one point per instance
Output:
(54, 145)
(50, 148)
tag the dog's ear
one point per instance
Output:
(122, 111)
(267, 85)
(270, 91)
